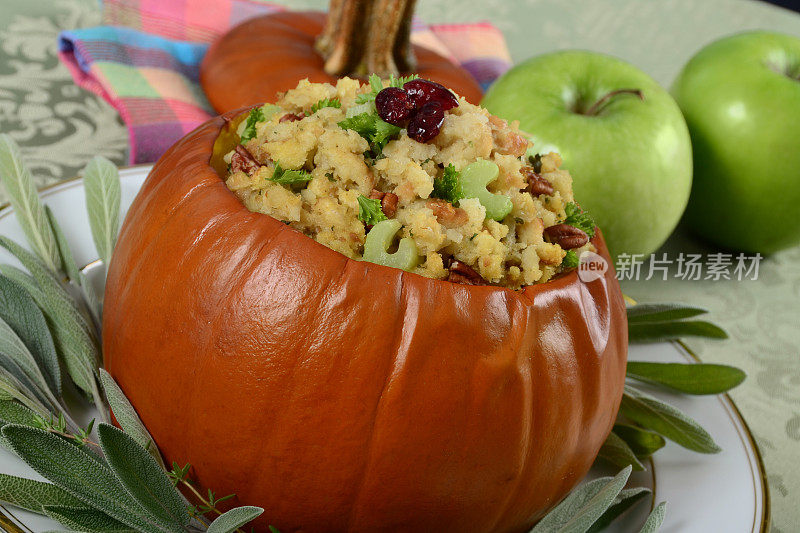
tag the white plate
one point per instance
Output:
(723, 492)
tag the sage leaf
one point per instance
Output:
(670, 331)
(85, 520)
(17, 359)
(95, 307)
(81, 474)
(583, 506)
(24, 280)
(691, 378)
(143, 478)
(656, 518)
(71, 333)
(127, 417)
(662, 312)
(12, 412)
(617, 452)
(670, 422)
(643, 443)
(26, 203)
(34, 495)
(19, 310)
(103, 192)
(64, 251)
(624, 501)
(14, 389)
(234, 519)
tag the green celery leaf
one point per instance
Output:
(127, 417)
(103, 193)
(289, 177)
(656, 518)
(86, 520)
(142, 476)
(571, 260)
(369, 210)
(673, 424)
(624, 501)
(670, 331)
(583, 506)
(617, 452)
(20, 311)
(363, 124)
(326, 102)
(448, 187)
(691, 378)
(82, 475)
(662, 312)
(234, 519)
(579, 218)
(26, 203)
(34, 495)
(643, 443)
(254, 117)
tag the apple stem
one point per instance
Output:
(595, 108)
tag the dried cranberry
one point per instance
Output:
(394, 106)
(425, 125)
(292, 117)
(423, 91)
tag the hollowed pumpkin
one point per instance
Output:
(347, 396)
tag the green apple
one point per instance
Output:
(741, 99)
(630, 157)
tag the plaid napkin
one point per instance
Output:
(145, 60)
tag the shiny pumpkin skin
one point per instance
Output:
(342, 395)
(266, 55)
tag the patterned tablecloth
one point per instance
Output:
(60, 127)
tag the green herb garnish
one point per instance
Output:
(376, 84)
(570, 260)
(579, 218)
(448, 187)
(289, 177)
(256, 115)
(370, 126)
(369, 210)
(326, 102)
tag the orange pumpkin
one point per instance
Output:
(268, 54)
(342, 395)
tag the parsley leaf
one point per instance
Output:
(448, 187)
(579, 218)
(373, 129)
(256, 115)
(327, 102)
(570, 260)
(376, 84)
(369, 210)
(289, 177)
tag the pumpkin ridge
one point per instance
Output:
(352, 515)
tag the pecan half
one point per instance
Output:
(464, 274)
(389, 204)
(244, 161)
(292, 117)
(566, 236)
(447, 214)
(537, 185)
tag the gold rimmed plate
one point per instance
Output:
(722, 492)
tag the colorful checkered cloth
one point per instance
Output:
(145, 60)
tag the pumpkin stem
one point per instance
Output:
(366, 36)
